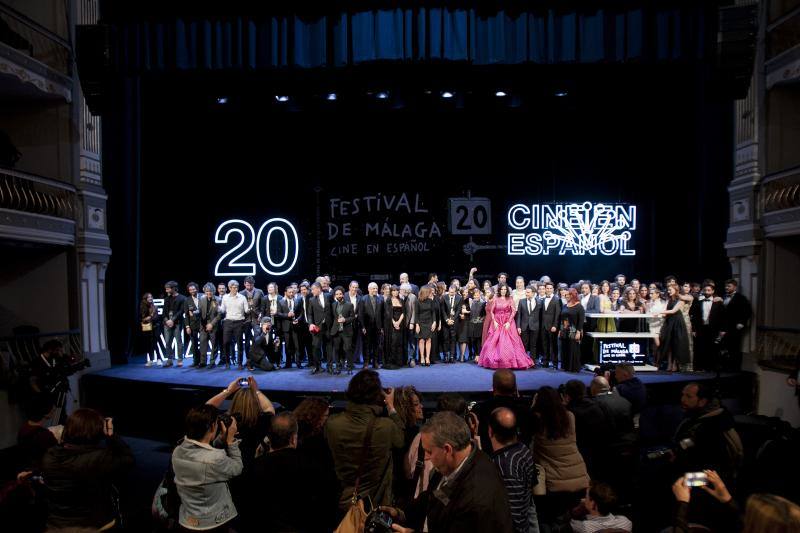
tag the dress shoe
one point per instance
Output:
(314, 370)
(168, 363)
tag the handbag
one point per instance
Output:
(147, 326)
(356, 517)
(540, 489)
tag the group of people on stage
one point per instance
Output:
(396, 325)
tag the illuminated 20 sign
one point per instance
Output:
(276, 245)
(574, 229)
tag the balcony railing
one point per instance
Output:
(34, 40)
(782, 192)
(18, 351)
(32, 194)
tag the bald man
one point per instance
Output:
(505, 394)
(514, 461)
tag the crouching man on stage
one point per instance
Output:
(266, 350)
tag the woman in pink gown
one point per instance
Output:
(503, 347)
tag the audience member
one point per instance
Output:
(631, 388)
(594, 513)
(505, 394)
(592, 429)
(33, 438)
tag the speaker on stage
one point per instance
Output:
(93, 55)
(736, 47)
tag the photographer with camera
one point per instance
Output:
(49, 374)
(265, 353)
(204, 463)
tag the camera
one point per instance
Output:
(243, 382)
(695, 479)
(378, 522)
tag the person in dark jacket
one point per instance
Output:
(172, 322)
(465, 492)
(265, 352)
(80, 474)
(631, 388)
(592, 429)
(505, 394)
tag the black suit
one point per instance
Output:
(450, 310)
(551, 315)
(303, 335)
(371, 318)
(357, 337)
(737, 312)
(321, 317)
(255, 305)
(342, 334)
(191, 318)
(529, 322)
(587, 341)
(287, 329)
(705, 349)
(210, 315)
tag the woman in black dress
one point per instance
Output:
(572, 319)
(462, 335)
(149, 318)
(426, 323)
(477, 314)
(674, 338)
(630, 305)
(437, 342)
(394, 331)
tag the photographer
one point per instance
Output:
(265, 353)
(79, 474)
(49, 373)
(202, 471)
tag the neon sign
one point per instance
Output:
(571, 229)
(276, 243)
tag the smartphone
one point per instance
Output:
(243, 382)
(695, 479)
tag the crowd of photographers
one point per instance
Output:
(565, 460)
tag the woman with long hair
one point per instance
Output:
(148, 315)
(395, 330)
(605, 325)
(462, 334)
(674, 338)
(408, 403)
(438, 341)
(655, 306)
(572, 320)
(503, 346)
(630, 306)
(555, 449)
(427, 316)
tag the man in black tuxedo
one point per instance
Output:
(529, 312)
(354, 297)
(737, 316)
(341, 332)
(191, 318)
(266, 350)
(210, 317)
(591, 304)
(319, 323)
(288, 317)
(370, 315)
(551, 314)
(303, 335)
(708, 318)
(450, 311)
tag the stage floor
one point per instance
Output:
(459, 377)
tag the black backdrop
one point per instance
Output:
(204, 163)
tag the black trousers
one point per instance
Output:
(303, 343)
(450, 334)
(319, 348)
(706, 352)
(291, 346)
(475, 346)
(249, 330)
(341, 350)
(193, 340)
(371, 342)
(232, 332)
(530, 340)
(550, 346)
(733, 343)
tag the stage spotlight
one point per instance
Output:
(447, 94)
(281, 98)
(382, 95)
(561, 93)
(222, 100)
(501, 94)
(331, 97)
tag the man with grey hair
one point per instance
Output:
(370, 316)
(404, 279)
(235, 307)
(465, 493)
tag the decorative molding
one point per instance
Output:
(781, 194)
(740, 210)
(36, 228)
(20, 69)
